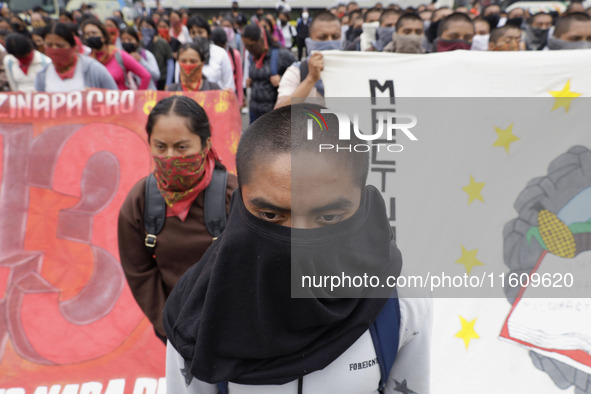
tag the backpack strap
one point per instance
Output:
(303, 70)
(274, 61)
(119, 60)
(215, 203)
(222, 388)
(385, 335)
(154, 213)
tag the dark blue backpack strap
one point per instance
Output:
(385, 335)
(215, 203)
(223, 388)
(154, 213)
(274, 61)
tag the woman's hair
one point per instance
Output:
(132, 32)
(199, 45)
(115, 22)
(39, 31)
(197, 20)
(184, 107)
(62, 30)
(100, 26)
(219, 37)
(175, 12)
(149, 21)
(18, 45)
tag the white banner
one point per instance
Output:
(491, 205)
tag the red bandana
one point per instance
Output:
(64, 61)
(181, 179)
(105, 56)
(25, 61)
(190, 80)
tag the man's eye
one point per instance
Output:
(332, 218)
(269, 215)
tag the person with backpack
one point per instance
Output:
(119, 63)
(172, 216)
(268, 62)
(243, 320)
(302, 79)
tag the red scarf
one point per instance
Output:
(25, 61)
(64, 61)
(79, 45)
(105, 56)
(164, 33)
(259, 62)
(186, 75)
(181, 179)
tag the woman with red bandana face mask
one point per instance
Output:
(69, 70)
(164, 32)
(177, 29)
(119, 63)
(191, 60)
(114, 32)
(22, 63)
(180, 141)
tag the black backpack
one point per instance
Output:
(214, 208)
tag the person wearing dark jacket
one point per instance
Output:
(180, 141)
(267, 64)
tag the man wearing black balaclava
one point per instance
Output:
(242, 316)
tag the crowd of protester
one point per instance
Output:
(273, 55)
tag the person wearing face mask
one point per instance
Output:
(287, 29)
(386, 29)
(164, 32)
(243, 320)
(179, 136)
(119, 63)
(268, 62)
(481, 37)
(505, 38)
(219, 38)
(22, 63)
(152, 41)
(217, 66)
(409, 35)
(112, 28)
(69, 70)
(130, 41)
(573, 31)
(177, 29)
(436, 18)
(303, 79)
(302, 32)
(454, 32)
(192, 58)
(536, 31)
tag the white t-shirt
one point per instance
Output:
(290, 81)
(356, 371)
(53, 82)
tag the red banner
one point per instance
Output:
(68, 321)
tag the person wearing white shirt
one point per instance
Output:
(177, 29)
(23, 63)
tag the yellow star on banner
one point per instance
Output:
(467, 332)
(564, 97)
(506, 137)
(474, 190)
(469, 259)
